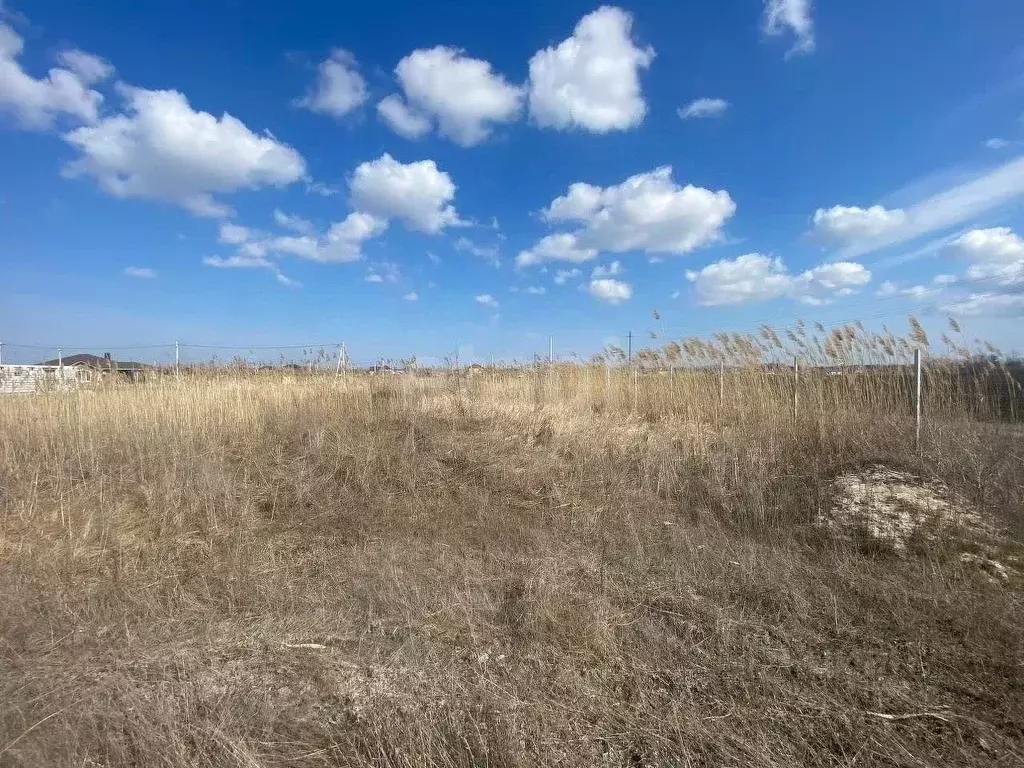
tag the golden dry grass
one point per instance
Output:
(572, 567)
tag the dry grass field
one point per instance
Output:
(567, 567)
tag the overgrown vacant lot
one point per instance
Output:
(307, 571)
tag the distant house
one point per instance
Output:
(128, 368)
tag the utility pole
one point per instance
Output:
(629, 347)
(1, 353)
(341, 353)
(60, 359)
(551, 349)
(177, 358)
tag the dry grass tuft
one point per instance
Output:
(575, 567)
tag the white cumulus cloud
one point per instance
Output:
(591, 80)
(610, 290)
(996, 254)
(36, 103)
(464, 96)
(344, 240)
(418, 193)
(847, 223)
(782, 17)
(756, 277)
(647, 212)
(703, 108)
(402, 119)
(411, 296)
(560, 247)
(339, 88)
(162, 149)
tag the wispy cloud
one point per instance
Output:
(938, 212)
(703, 108)
(487, 300)
(144, 273)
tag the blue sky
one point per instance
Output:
(415, 178)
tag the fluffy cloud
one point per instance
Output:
(560, 247)
(703, 108)
(790, 16)
(339, 87)
(65, 90)
(162, 149)
(402, 119)
(846, 223)
(611, 291)
(144, 273)
(591, 80)
(756, 277)
(384, 189)
(648, 212)
(996, 143)
(344, 240)
(996, 254)
(418, 193)
(411, 296)
(535, 290)
(487, 300)
(463, 95)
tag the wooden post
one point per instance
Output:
(917, 398)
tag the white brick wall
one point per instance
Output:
(28, 379)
